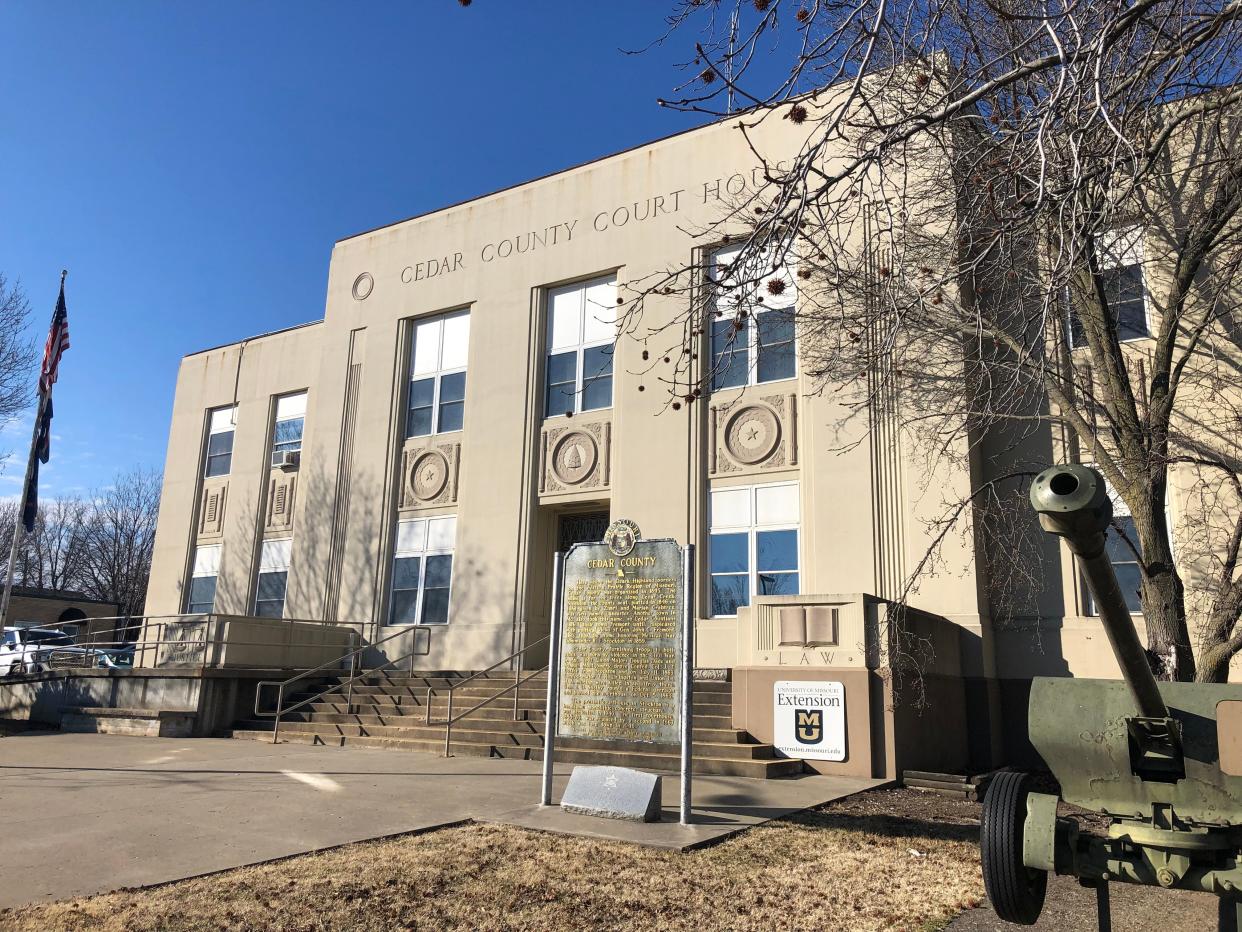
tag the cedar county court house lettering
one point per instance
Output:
(602, 221)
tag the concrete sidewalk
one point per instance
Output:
(88, 813)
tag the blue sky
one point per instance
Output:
(192, 164)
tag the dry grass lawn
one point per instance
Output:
(844, 868)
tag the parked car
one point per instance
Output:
(114, 658)
(31, 650)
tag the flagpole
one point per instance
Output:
(17, 522)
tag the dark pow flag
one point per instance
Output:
(42, 451)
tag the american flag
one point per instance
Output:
(57, 343)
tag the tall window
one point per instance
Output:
(422, 571)
(581, 331)
(202, 595)
(1120, 255)
(220, 429)
(269, 595)
(752, 339)
(287, 432)
(437, 397)
(754, 544)
(1125, 563)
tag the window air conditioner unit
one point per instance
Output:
(289, 459)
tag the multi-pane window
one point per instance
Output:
(437, 396)
(202, 594)
(581, 331)
(753, 328)
(220, 430)
(754, 544)
(287, 431)
(422, 571)
(1120, 257)
(269, 594)
(1122, 556)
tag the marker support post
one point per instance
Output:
(687, 678)
(554, 676)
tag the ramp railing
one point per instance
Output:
(186, 642)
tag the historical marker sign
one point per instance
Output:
(621, 641)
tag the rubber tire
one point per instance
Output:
(1016, 891)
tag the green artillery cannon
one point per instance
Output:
(1162, 761)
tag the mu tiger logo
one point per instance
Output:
(809, 725)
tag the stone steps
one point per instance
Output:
(505, 678)
(468, 697)
(671, 763)
(715, 732)
(390, 711)
(707, 742)
(644, 760)
(536, 686)
(498, 712)
(152, 723)
(439, 704)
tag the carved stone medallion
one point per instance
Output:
(752, 434)
(574, 456)
(363, 286)
(428, 475)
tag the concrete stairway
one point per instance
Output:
(389, 711)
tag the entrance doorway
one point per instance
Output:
(586, 527)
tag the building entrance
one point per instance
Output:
(580, 528)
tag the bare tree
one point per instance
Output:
(16, 353)
(119, 539)
(52, 556)
(100, 547)
(975, 187)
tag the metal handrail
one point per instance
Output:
(451, 719)
(152, 631)
(138, 650)
(452, 686)
(352, 657)
(518, 680)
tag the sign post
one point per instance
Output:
(687, 678)
(554, 671)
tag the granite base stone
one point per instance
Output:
(613, 793)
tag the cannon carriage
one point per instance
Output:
(1162, 761)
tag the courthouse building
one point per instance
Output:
(464, 410)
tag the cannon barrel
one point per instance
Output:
(1072, 502)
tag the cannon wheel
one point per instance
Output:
(1016, 891)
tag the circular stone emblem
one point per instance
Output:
(362, 286)
(752, 434)
(621, 536)
(428, 475)
(573, 457)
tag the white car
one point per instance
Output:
(30, 650)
